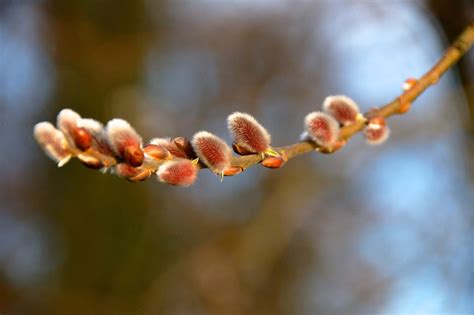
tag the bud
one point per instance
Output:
(275, 161)
(156, 152)
(322, 129)
(248, 135)
(179, 172)
(90, 161)
(404, 106)
(125, 141)
(142, 176)
(53, 142)
(342, 108)
(170, 146)
(99, 136)
(233, 170)
(125, 170)
(212, 151)
(376, 132)
(68, 123)
(133, 174)
(409, 83)
(133, 155)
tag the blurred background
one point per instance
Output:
(369, 230)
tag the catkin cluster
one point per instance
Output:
(117, 148)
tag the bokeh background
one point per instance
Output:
(369, 230)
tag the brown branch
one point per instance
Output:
(400, 105)
(119, 148)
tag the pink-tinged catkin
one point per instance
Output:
(212, 151)
(53, 142)
(77, 137)
(322, 128)
(342, 108)
(125, 141)
(376, 132)
(179, 172)
(248, 135)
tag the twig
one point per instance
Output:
(400, 105)
(119, 148)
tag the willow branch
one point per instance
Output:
(118, 148)
(399, 105)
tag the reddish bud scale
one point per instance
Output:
(274, 161)
(125, 141)
(125, 170)
(376, 132)
(133, 156)
(212, 151)
(249, 136)
(52, 141)
(133, 174)
(180, 172)
(90, 161)
(98, 134)
(342, 108)
(82, 139)
(156, 152)
(68, 122)
(322, 128)
(233, 170)
(142, 176)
